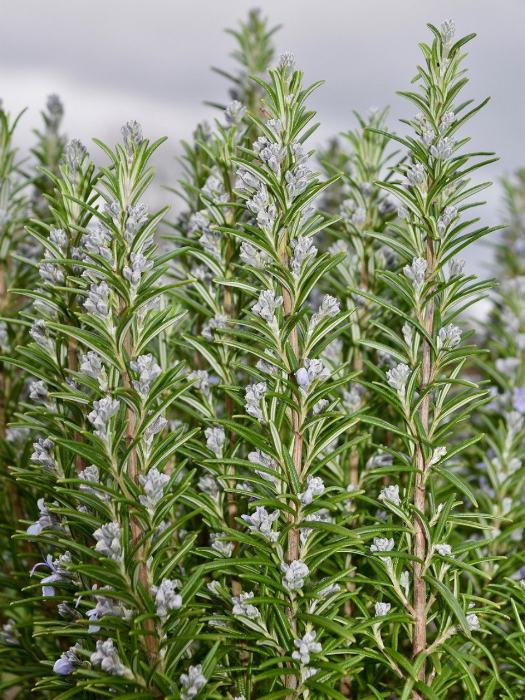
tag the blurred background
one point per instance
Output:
(114, 60)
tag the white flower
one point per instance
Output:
(447, 30)
(166, 597)
(211, 242)
(215, 438)
(416, 272)
(286, 62)
(74, 154)
(253, 256)
(275, 126)
(297, 180)
(192, 682)
(446, 122)
(139, 265)
(456, 267)
(398, 377)
(261, 521)
(264, 460)
(4, 335)
(105, 607)
(46, 520)
(473, 623)
(265, 211)
(218, 321)
(321, 515)
(339, 247)
(353, 398)
(254, 395)
(313, 370)
(329, 590)
(307, 672)
(306, 646)
(273, 154)
(97, 301)
(333, 353)
(404, 582)
(446, 218)
(443, 149)
(515, 421)
(199, 222)
(382, 609)
(303, 250)
(220, 545)
(91, 364)
(242, 608)
(246, 180)
(43, 453)
(58, 237)
(390, 494)
(415, 175)
(437, 455)
(506, 505)
(328, 308)
(108, 541)
(106, 656)
(209, 485)
(382, 544)
(315, 487)
(234, 113)
(131, 135)
(408, 333)
(359, 216)
(319, 406)
(214, 189)
(59, 572)
(39, 333)
(101, 414)
(445, 550)
(148, 370)
(38, 391)
(294, 574)
(67, 661)
(97, 241)
(153, 484)
(266, 305)
(91, 475)
(449, 337)
(201, 379)
(155, 427)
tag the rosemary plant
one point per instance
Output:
(258, 453)
(427, 386)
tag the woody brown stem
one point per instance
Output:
(297, 452)
(419, 642)
(18, 510)
(150, 639)
(232, 505)
(293, 544)
(72, 364)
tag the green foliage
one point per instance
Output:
(256, 452)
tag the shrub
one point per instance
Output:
(253, 452)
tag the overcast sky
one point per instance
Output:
(114, 60)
